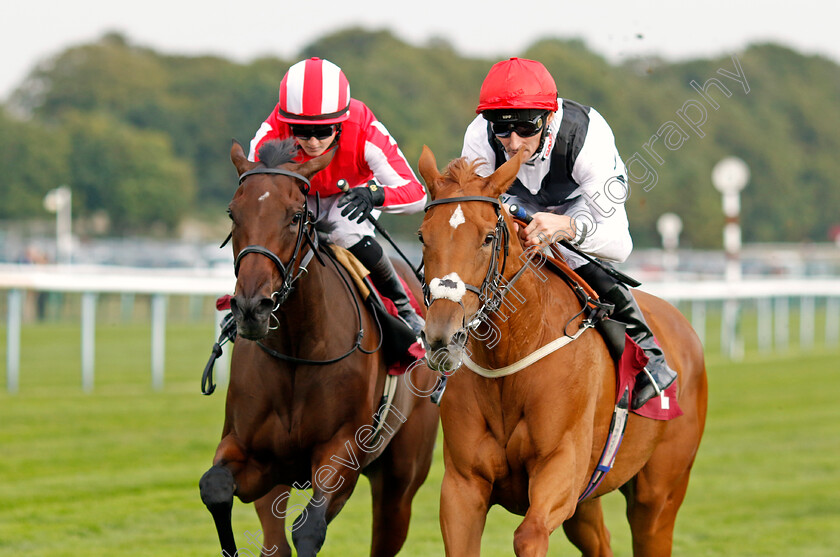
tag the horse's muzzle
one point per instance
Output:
(252, 316)
(444, 356)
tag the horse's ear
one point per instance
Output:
(311, 167)
(429, 170)
(499, 182)
(240, 159)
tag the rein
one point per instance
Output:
(357, 345)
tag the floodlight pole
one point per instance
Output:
(729, 177)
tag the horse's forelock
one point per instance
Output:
(278, 151)
(460, 173)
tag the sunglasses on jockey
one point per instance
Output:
(522, 128)
(318, 131)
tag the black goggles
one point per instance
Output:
(522, 128)
(318, 131)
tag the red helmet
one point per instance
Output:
(314, 91)
(518, 83)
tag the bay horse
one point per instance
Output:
(306, 377)
(530, 441)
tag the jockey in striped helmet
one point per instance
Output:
(316, 109)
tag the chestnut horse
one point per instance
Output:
(530, 441)
(306, 377)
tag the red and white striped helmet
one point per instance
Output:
(314, 91)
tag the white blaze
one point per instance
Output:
(263, 197)
(457, 218)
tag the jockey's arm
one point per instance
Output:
(403, 191)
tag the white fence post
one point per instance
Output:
(13, 320)
(807, 322)
(764, 315)
(158, 339)
(731, 342)
(88, 340)
(782, 324)
(698, 319)
(832, 321)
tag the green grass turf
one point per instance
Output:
(115, 472)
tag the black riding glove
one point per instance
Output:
(360, 201)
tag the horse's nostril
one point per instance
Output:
(250, 308)
(460, 338)
(265, 305)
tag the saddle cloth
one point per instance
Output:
(632, 362)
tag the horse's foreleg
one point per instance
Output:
(587, 531)
(232, 473)
(271, 510)
(551, 502)
(464, 502)
(391, 510)
(334, 482)
(310, 528)
(396, 476)
(217, 487)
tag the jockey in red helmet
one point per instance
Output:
(316, 109)
(574, 183)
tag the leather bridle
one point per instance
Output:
(305, 234)
(494, 287)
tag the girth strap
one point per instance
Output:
(616, 434)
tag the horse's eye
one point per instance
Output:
(489, 239)
(296, 218)
(230, 215)
(420, 237)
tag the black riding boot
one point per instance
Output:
(628, 312)
(385, 278)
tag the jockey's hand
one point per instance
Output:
(360, 201)
(547, 228)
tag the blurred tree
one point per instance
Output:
(33, 160)
(184, 111)
(132, 175)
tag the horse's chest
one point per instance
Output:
(511, 493)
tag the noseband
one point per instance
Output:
(493, 288)
(304, 234)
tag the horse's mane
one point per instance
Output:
(278, 151)
(324, 229)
